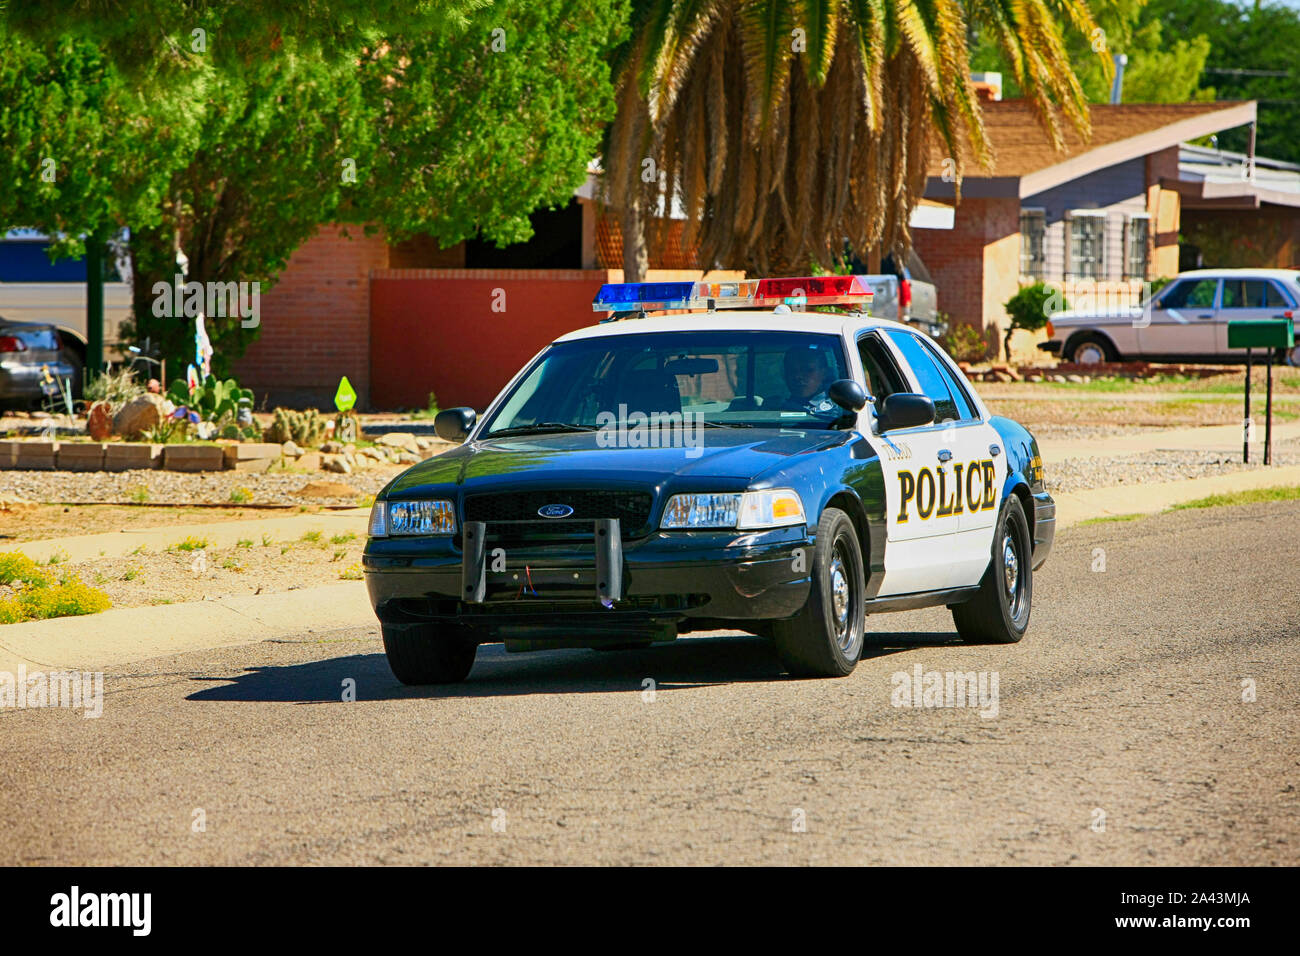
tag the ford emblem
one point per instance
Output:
(555, 511)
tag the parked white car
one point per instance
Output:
(1186, 321)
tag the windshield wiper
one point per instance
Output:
(539, 428)
(726, 424)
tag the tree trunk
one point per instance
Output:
(636, 257)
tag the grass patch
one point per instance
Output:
(1107, 519)
(58, 557)
(240, 496)
(190, 543)
(38, 595)
(351, 573)
(266, 540)
(230, 564)
(343, 538)
(1250, 496)
(138, 495)
(244, 543)
(130, 574)
(312, 537)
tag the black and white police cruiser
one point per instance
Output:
(747, 465)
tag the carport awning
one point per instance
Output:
(1205, 194)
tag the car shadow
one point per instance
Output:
(685, 664)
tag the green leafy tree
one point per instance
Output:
(457, 131)
(1030, 308)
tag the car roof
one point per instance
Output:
(738, 320)
(1245, 273)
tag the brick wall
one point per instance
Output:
(316, 322)
(464, 333)
(976, 264)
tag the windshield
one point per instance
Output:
(728, 379)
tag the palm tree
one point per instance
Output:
(785, 127)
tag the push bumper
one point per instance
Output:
(662, 577)
(1051, 345)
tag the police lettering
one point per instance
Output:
(938, 497)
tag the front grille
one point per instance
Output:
(631, 508)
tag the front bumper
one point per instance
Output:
(1044, 527)
(665, 577)
(1051, 345)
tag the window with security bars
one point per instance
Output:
(1137, 255)
(1087, 246)
(1033, 231)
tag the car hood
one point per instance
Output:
(734, 456)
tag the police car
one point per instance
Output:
(769, 458)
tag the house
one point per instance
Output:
(1100, 218)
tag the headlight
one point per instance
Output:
(753, 509)
(412, 517)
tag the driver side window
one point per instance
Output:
(883, 376)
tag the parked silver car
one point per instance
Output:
(32, 356)
(1186, 321)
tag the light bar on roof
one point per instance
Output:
(812, 290)
(736, 294)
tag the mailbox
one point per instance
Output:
(1261, 334)
(1266, 334)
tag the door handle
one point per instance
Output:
(1206, 315)
(945, 454)
(995, 450)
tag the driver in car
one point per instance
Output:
(808, 375)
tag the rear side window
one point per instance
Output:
(965, 406)
(34, 339)
(932, 380)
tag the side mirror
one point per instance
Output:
(905, 410)
(454, 424)
(847, 394)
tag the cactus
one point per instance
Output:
(303, 428)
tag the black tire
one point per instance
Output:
(429, 653)
(999, 613)
(1091, 338)
(825, 638)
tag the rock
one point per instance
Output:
(406, 458)
(327, 489)
(205, 431)
(424, 444)
(1076, 379)
(99, 424)
(332, 448)
(335, 463)
(309, 461)
(402, 440)
(290, 449)
(139, 414)
(16, 505)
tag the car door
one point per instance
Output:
(1248, 298)
(924, 471)
(1182, 319)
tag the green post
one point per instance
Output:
(94, 304)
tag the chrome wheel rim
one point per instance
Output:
(1089, 355)
(842, 578)
(1013, 574)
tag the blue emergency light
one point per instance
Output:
(643, 296)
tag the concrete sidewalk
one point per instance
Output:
(223, 534)
(126, 635)
(1209, 438)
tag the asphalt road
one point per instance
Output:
(1121, 737)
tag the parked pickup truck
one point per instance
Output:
(906, 294)
(1186, 321)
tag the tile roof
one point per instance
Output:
(1021, 147)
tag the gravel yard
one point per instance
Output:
(1084, 474)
